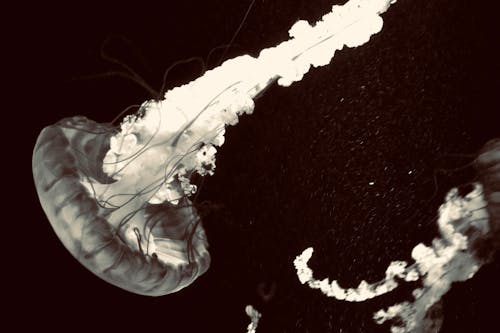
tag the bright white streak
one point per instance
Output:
(193, 117)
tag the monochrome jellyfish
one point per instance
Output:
(469, 237)
(118, 197)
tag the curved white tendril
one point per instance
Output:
(450, 259)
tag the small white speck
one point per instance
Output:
(410, 172)
(371, 183)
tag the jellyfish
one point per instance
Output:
(468, 224)
(119, 197)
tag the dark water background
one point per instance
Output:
(398, 112)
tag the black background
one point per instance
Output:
(397, 112)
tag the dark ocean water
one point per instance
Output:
(354, 160)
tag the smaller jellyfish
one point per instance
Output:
(468, 224)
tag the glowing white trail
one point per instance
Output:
(183, 129)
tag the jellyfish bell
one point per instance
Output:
(108, 226)
(479, 203)
(487, 165)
